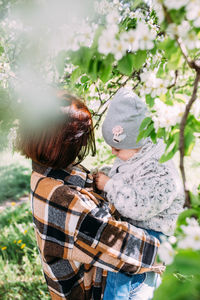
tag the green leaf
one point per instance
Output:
(166, 157)
(145, 123)
(177, 15)
(175, 60)
(138, 59)
(169, 46)
(189, 141)
(81, 58)
(149, 100)
(145, 133)
(161, 132)
(169, 154)
(161, 69)
(75, 75)
(154, 50)
(195, 199)
(93, 68)
(153, 137)
(175, 289)
(193, 123)
(187, 262)
(125, 65)
(132, 62)
(187, 214)
(84, 79)
(1, 50)
(105, 70)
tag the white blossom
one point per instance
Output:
(120, 47)
(156, 5)
(136, 15)
(193, 12)
(191, 41)
(106, 42)
(131, 38)
(167, 115)
(175, 4)
(191, 237)
(113, 17)
(178, 30)
(166, 253)
(172, 239)
(146, 36)
(153, 85)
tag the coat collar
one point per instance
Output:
(72, 175)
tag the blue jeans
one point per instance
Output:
(140, 286)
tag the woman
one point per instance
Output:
(77, 232)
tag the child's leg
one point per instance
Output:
(118, 285)
(146, 289)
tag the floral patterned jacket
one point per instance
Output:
(149, 194)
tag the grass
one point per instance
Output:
(14, 176)
(21, 272)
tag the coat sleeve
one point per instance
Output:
(143, 194)
(84, 232)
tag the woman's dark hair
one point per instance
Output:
(68, 139)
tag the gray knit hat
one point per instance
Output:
(122, 122)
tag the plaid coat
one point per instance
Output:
(79, 238)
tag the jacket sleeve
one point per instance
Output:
(87, 233)
(143, 194)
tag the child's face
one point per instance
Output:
(124, 154)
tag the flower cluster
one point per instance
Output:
(189, 37)
(153, 85)
(156, 5)
(193, 12)
(192, 8)
(71, 36)
(166, 252)
(191, 235)
(183, 30)
(175, 4)
(140, 38)
(165, 116)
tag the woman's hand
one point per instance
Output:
(100, 180)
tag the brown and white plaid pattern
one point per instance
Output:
(79, 238)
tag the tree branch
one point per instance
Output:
(181, 137)
(135, 73)
(175, 80)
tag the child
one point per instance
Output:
(146, 193)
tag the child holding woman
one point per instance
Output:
(146, 193)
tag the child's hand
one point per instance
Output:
(100, 180)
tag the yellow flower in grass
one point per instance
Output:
(13, 203)
(18, 242)
(3, 248)
(25, 231)
(23, 245)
